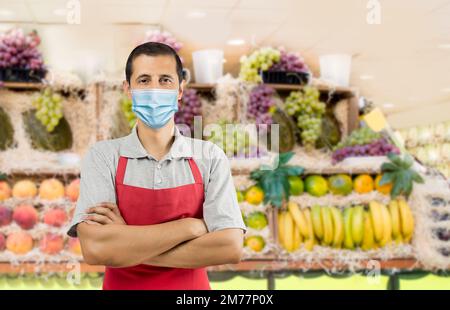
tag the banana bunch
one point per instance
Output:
(295, 228)
(355, 227)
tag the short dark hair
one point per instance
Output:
(153, 49)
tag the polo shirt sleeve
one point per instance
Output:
(221, 209)
(97, 185)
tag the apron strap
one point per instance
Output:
(195, 171)
(121, 167)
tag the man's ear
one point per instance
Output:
(127, 89)
(180, 91)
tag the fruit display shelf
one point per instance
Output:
(338, 90)
(22, 85)
(314, 162)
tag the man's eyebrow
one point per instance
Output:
(166, 76)
(143, 75)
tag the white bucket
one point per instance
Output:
(208, 65)
(335, 68)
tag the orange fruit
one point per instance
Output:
(256, 243)
(254, 195)
(316, 185)
(385, 188)
(363, 184)
(340, 184)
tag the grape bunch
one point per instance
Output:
(48, 109)
(18, 50)
(261, 59)
(190, 107)
(308, 111)
(163, 37)
(361, 136)
(234, 140)
(260, 103)
(379, 147)
(127, 108)
(290, 62)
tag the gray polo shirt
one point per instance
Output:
(98, 170)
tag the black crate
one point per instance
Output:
(282, 77)
(21, 75)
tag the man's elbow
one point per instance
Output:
(91, 248)
(235, 249)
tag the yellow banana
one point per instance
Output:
(358, 225)
(399, 239)
(297, 237)
(281, 228)
(395, 218)
(387, 226)
(317, 222)
(368, 240)
(377, 222)
(327, 222)
(299, 218)
(406, 218)
(348, 240)
(288, 232)
(310, 242)
(338, 226)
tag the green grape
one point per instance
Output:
(261, 59)
(48, 108)
(307, 109)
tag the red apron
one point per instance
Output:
(143, 206)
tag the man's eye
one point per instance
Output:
(143, 81)
(166, 80)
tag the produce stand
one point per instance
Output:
(270, 264)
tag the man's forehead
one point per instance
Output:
(163, 64)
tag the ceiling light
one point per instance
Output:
(196, 14)
(444, 46)
(446, 90)
(236, 42)
(366, 77)
(5, 13)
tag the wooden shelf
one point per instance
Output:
(283, 87)
(289, 265)
(407, 264)
(33, 267)
(23, 85)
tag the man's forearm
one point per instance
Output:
(216, 248)
(128, 245)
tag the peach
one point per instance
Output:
(5, 190)
(55, 217)
(24, 189)
(2, 242)
(51, 243)
(5, 215)
(73, 190)
(25, 216)
(19, 242)
(51, 189)
(74, 246)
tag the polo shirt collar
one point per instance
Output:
(133, 148)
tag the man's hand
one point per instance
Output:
(104, 213)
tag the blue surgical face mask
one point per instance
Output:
(154, 107)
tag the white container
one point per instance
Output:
(335, 69)
(208, 65)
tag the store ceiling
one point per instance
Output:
(402, 64)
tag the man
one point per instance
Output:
(156, 207)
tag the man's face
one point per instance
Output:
(154, 72)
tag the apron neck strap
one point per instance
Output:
(195, 171)
(121, 167)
